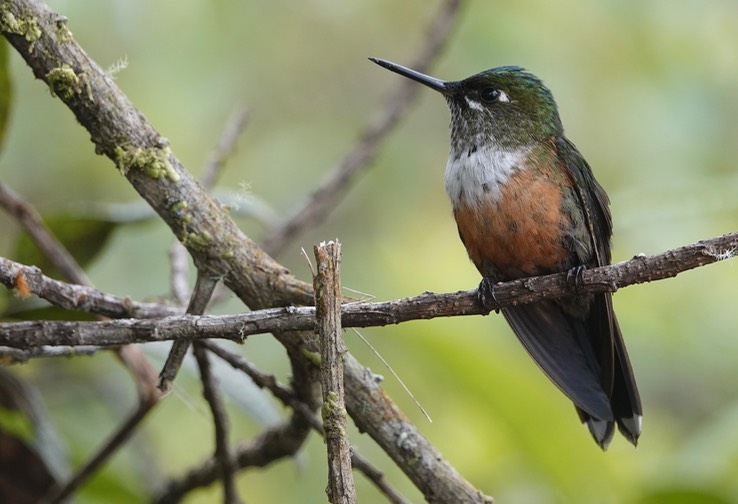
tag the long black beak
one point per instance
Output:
(426, 80)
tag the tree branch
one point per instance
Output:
(218, 247)
(142, 155)
(121, 132)
(640, 269)
(226, 145)
(78, 297)
(204, 287)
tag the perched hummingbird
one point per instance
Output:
(526, 203)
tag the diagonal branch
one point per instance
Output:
(217, 246)
(328, 194)
(280, 441)
(226, 145)
(204, 287)
(287, 397)
(50, 246)
(143, 156)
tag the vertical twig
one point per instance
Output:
(178, 282)
(201, 295)
(223, 455)
(204, 287)
(328, 297)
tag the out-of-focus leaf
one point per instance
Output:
(671, 496)
(26, 462)
(14, 423)
(37, 309)
(6, 94)
(84, 238)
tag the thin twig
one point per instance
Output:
(394, 374)
(220, 421)
(178, 263)
(226, 145)
(324, 199)
(280, 441)
(107, 450)
(203, 291)
(20, 356)
(327, 286)
(288, 398)
(204, 287)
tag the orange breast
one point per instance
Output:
(519, 235)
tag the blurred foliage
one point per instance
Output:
(646, 91)
(6, 90)
(30, 461)
(83, 238)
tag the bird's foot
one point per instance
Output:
(486, 294)
(575, 276)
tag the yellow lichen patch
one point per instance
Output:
(27, 27)
(181, 211)
(312, 357)
(153, 161)
(199, 241)
(63, 33)
(63, 82)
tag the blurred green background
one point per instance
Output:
(647, 90)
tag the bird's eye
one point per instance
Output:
(489, 94)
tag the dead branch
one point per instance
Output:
(640, 269)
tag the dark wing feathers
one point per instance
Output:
(558, 344)
(596, 210)
(616, 377)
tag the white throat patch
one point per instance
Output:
(479, 174)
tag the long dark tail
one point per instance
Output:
(587, 360)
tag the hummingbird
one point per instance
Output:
(526, 203)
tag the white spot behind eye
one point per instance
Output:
(473, 104)
(503, 97)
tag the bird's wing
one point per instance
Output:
(559, 345)
(592, 198)
(617, 376)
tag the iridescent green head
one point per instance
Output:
(505, 106)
